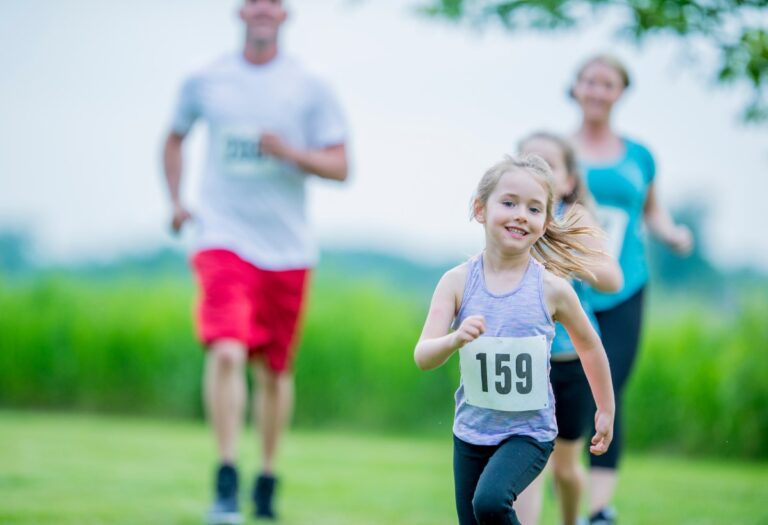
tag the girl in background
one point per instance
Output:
(573, 403)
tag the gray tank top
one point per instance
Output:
(521, 312)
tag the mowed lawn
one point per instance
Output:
(75, 469)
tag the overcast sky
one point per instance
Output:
(88, 86)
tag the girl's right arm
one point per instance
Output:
(606, 272)
(436, 344)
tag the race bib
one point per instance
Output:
(614, 222)
(241, 157)
(506, 373)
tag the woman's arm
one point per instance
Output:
(436, 344)
(568, 311)
(660, 223)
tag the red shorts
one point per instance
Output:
(239, 301)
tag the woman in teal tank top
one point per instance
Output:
(620, 174)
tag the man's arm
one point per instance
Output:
(172, 164)
(328, 163)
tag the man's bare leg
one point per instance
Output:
(224, 394)
(224, 397)
(273, 404)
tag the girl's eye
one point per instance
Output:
(508, 204)
(535, 210)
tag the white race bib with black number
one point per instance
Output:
(241, 156)
(506, 373)
(614, 222)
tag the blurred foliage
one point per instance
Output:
(735, 28)
(699, 385)
(128, 347)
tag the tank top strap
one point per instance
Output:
(535, 273)
(535, 279)
(473, 282)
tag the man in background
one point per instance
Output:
(271, 125)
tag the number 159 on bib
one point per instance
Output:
(506, 373)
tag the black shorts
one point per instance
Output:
(573, 399)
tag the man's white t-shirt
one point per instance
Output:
(251, 204)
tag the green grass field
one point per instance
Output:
(78, 469)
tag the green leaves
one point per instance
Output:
(727, 25)
(746, 61)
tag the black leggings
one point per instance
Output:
(620, 333)
(488, 479)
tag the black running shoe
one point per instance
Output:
(263, 496)
(605, 516)
(225, 509)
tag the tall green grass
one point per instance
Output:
(128, 347)
(120, 347)
(701, 383)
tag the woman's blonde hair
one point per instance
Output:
(580, 193)
(558, 249)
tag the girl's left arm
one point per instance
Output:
(660, 223)
(567, 309)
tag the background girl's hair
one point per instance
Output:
(558, 249)
(580, 193)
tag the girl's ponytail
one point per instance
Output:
(560, 250)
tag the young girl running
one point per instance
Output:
(569, 384)
(504, 427)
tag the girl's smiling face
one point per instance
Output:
(515, 215)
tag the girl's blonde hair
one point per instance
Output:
(580, 193)
(558, 249)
